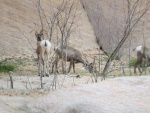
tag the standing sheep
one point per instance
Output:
(143, 52)
(43, 53)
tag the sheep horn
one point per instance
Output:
(43, 30)
(32, 31)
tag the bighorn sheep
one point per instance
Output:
(70, 55)
(143, 52)
(43, 52)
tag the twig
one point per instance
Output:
(28, 80)
(26, 38)
(11, 81)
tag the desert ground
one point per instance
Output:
(130, 94)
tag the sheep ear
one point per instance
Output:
(36, 33)
(41, 31)
(91, 63)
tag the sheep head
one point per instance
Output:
(40, 35)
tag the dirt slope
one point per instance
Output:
(23, 15)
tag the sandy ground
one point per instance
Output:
(115, 95)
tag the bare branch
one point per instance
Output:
(26, 38)
(128, 29)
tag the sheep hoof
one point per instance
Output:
(78, 76)
(47, 75)
(64, 72)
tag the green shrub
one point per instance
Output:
(143, 64)
(6, 66)
(132, 61)
(116, 57)
(20, 61)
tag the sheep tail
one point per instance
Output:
(139, 48)
(45, 43)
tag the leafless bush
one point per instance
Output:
(114, 21)
(60, 22)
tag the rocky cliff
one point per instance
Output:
(109, 18)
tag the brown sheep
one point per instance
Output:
(143, 52)
(43, 53)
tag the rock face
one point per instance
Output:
(23, 15)
(108, 20)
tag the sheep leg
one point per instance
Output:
(39, 67)
(70, 66)
(43, 71)
(139, 70)
(38, 62)
(137, 64)
(43, 62)
(47, 66)
(52, 68)
(64, 68)
(74, 67)
(55, 63)
(56, 66)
